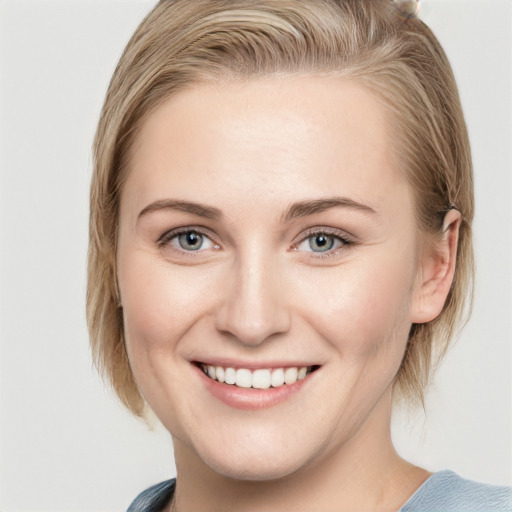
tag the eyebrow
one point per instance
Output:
(305, 208)
(296, 210)
(198, 209)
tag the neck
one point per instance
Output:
(364, 473)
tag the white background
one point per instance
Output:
(66, 445)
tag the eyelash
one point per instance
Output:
(165, 240)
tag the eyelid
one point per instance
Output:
(324, 230)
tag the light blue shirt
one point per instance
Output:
(444, 491)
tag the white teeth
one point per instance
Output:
(263, 378)
(277, 378)
(220, 374)
(290, 375)
(243, 378)
(230, 375)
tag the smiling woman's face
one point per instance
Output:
(266, 234)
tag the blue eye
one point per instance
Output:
(187, 240)
(190, 241)
(321, 242)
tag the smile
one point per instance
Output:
(262, 378)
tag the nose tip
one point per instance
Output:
(252, 332)
(253, 308)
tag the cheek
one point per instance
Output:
(362, 308)
(160, 303)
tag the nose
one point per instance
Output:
(252, 308)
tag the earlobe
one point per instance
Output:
(437, 268)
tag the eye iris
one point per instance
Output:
(321, 243)
(190, 241)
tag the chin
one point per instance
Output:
(254, 470)
(253, 461)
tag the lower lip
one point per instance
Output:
(250, 398)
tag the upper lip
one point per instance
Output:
(253, 365)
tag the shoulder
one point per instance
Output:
(155, 498)
(446, 491)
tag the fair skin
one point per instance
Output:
(297, 246)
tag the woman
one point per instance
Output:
(280, 247)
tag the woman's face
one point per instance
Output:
(266, 233)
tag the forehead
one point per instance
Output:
(275, 136)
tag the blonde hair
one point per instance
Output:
(182, 42)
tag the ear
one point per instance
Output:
(436, 271)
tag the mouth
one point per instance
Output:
(260, 378)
